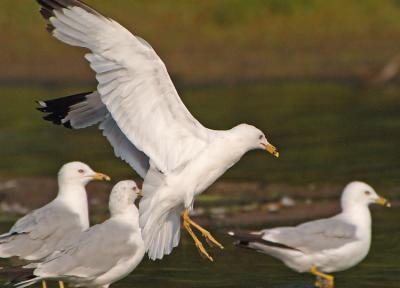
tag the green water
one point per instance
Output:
(326, 133)
(236, 267)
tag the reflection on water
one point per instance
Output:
(234, 267)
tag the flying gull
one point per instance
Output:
(140, 112)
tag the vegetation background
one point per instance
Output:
(224, 40)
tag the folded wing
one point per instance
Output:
(314, 236)
(40, 232)
(95, 252)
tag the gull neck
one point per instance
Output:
(358, 214)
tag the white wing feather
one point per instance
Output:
(135, 87)
(123, 148)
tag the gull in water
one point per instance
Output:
(140, 112)
(322, 246)
(101, 255)
(42, 231)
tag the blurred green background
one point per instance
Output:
(308, 72)
(223, 40)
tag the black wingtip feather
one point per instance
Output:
(42, 109)
(53, 118)
(50, 28)
(244, 244)
(48, 7)
(44, 4)
(244, 238)
(51, 4)
(60, 4)
(17, 274)
(25, 275)
(46, 13)
(57, 109)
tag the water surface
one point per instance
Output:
(326, 132)
(236, 267)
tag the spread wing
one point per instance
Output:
(314, 236)
(133, 83)
(123, 148)
(86, 109)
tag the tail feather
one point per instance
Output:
(160, 223)
(162, 237)
(75, 111)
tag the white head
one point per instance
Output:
(253, 138)
(360, 193)
(78, 173)
(123, 196)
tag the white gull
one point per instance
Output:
(146, 122)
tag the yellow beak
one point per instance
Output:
(101, 177)
(271, 149)
(382, 201)
(140, 193)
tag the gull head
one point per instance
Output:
(123, 196)
(79, 173)
(253, 138)
(360, 193)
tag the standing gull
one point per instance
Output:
(39, 233)
(103, 254)
(322, 246)
(146, 122)
(42, 231)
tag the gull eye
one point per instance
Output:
(260, 137)
(134, 188)
(81, 171)
(367, 193)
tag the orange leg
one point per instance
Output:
(187, 223)
(328, 280)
